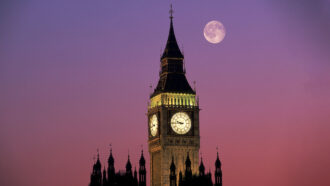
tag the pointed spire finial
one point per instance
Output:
(150, 88)
(98, 153)
(171, 12)
(217, 151)
(194, 85)
(110, 148)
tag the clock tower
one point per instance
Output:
(173, 117)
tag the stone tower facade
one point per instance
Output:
(173, 117)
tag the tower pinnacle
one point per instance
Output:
(171, 12)
(172, 49)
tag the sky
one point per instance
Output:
(75, 76)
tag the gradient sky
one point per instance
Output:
(75, 76)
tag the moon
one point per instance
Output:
(214, 32)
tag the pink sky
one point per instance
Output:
(74, 77)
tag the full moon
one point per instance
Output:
(214, 32)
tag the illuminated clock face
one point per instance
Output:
(153, 125)
(180, 123)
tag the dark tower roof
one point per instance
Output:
(97, 165)
(142, 160)
(188, 162)
(111, 160)
(172, 75)
(201, 167)
(128, 164)
(217, 162)
(135, 173)
(104, 174)
(172, 49)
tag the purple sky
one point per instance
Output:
(74, 77)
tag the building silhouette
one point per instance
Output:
(110, 177)
(173, 132)
(113, 178)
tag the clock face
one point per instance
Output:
(180, 122)
(153, 125)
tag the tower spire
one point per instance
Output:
(142, 170)
(172, 49)
(171, 12)
(201, 168)
(172, 173)
(172, 72)
(111, 168)
(218, 171)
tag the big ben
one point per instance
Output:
(173, 117)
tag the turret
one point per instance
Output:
(96, 176)
(142, 170)
(104, 180)
(201, 168)
(135, 180)
(129, 168)
(111, 169)
(180, 179)
(218, 172)
(188, 173)
(172, 173)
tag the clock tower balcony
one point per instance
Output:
(176, 100)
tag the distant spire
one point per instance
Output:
(172, 173)
(142, 170)
(188, 162)
(98, 163)
(111, 167)
(128, 167)
(104, 176)
(201, 168)
(188, 172)
(217, 162)
(98, 158)
(218, 172)
(111, 159)
(142, 160)
(172, 167)
(96, 176)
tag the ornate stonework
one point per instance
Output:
(173, 94)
